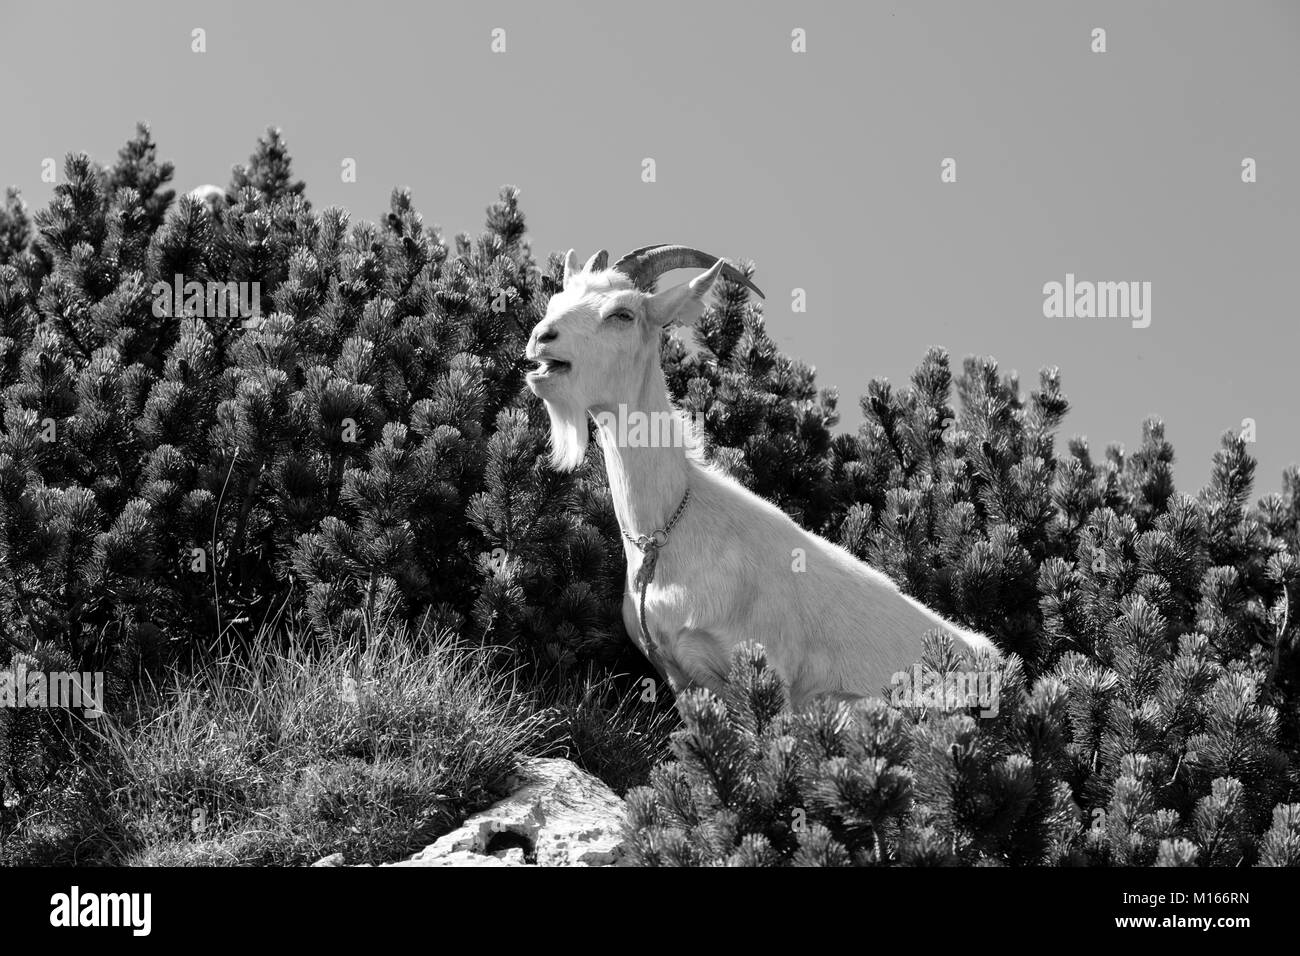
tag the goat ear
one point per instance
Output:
(571, 267)
(683, 303)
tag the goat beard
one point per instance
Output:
(569, 434)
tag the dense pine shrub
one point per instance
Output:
(360, 449)
(873, 785)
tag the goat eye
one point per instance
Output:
(622, 315)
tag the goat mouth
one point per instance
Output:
(548, 367)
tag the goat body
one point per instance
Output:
(737, 568)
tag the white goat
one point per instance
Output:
(726, 570)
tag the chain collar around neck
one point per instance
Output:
(659, 538)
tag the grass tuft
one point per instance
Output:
(373, 748)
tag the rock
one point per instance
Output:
(514, 856)
(457, 858)
(560, 816)
(334, 859)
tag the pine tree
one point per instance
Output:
(872, 785)
(362, 445)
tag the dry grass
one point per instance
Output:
(282, 757)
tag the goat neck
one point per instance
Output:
(646, 483)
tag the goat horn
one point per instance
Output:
(643, 266)
(637, 254)
(597, 262)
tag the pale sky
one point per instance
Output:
(823, 167)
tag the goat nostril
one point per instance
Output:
(550, 335)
